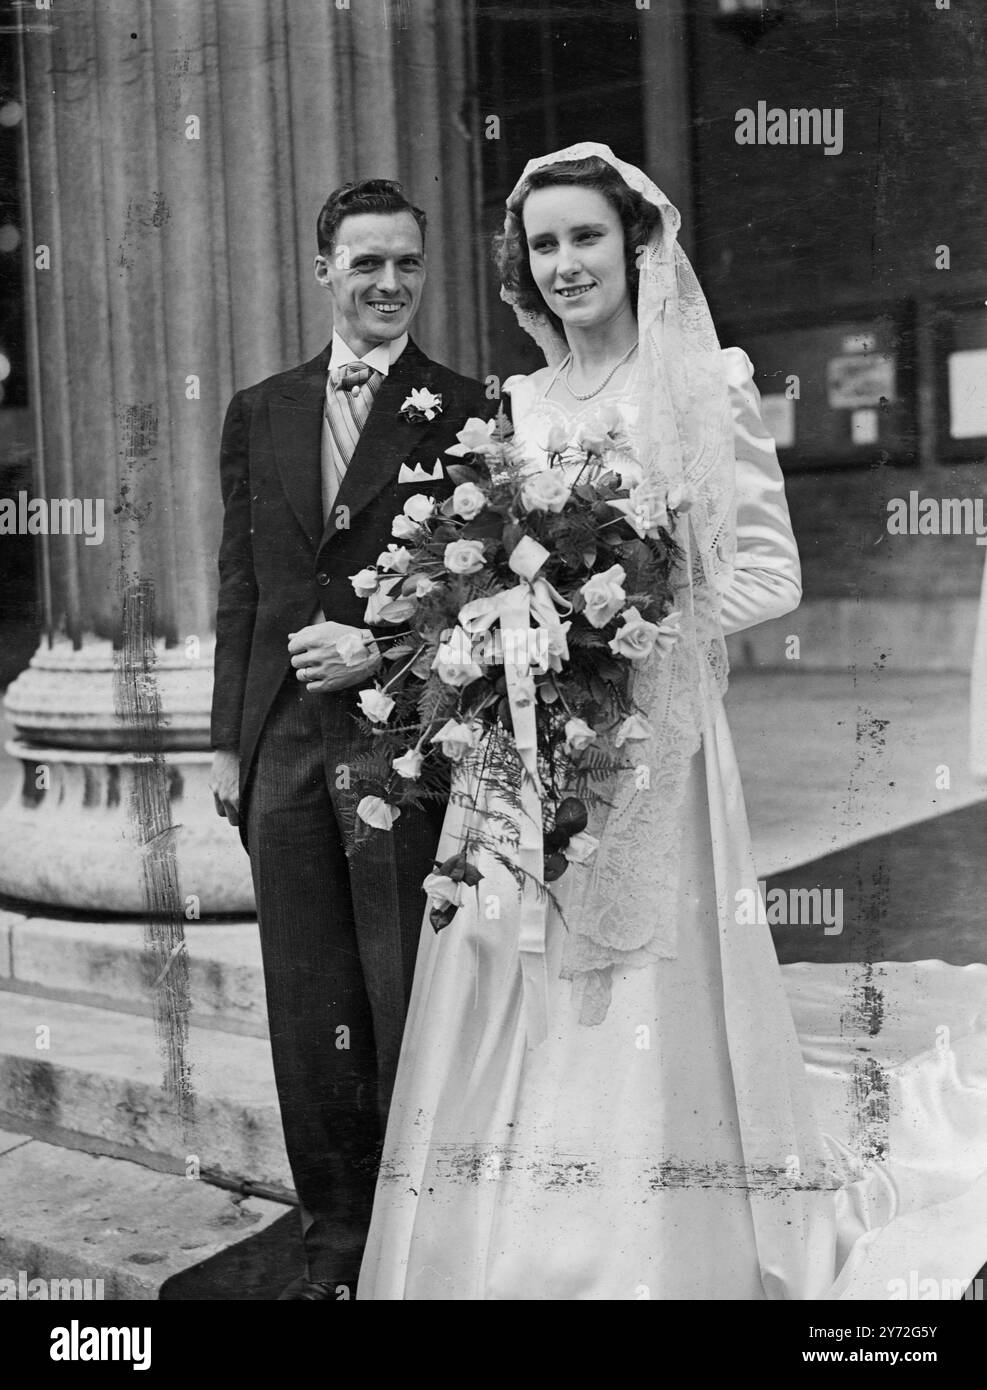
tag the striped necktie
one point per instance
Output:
(350, 392)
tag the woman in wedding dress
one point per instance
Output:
(655, 1138)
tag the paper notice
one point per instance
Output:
(968, 394)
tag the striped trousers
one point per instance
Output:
(339, 936)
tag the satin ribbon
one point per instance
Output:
(514, 609)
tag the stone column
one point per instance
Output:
(177, 155)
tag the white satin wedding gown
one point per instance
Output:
(670, 1152)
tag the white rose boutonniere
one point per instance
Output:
(422, 404)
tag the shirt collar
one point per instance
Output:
(381, 358)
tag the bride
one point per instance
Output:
(654, 1138)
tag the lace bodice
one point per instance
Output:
(535, 414)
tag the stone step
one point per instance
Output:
(93, 1078)
(109, 965)
(66, 1215)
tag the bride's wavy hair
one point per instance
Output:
(638, 218)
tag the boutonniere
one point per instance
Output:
(422, 404)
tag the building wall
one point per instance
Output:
(790, 236)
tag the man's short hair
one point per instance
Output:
(352, 199)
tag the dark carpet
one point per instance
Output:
(914, 894)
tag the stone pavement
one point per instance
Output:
(830, 758)
(93, 1169)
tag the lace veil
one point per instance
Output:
(626, 915)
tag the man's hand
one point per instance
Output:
(321, 666)
(224, 783)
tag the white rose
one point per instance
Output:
(545, 491)
(464, 557)
(443, 889)
(365, 583)
(419, 507)
(409, 764)
(633, 730)
(603, 595)
(558, 646)
(558, 440)
(456, 739)
(380, 598)
(404, 529)
(468, 501)
(612, 421)
(422, 399)
(454, 662)
(644, 509)
(649, 505)
(395, 557)
(474, 438)
(591, 438)
(669, 633)
(636, 639)
(376, 705)
(578, 735)
(352, 647)
(375, 811)
(581, 848)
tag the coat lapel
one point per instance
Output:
(386, 441)
(296, 430)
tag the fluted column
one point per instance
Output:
(177, 155)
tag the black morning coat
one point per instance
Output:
(277, 559)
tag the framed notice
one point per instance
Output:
(961, 381)
(840, 393)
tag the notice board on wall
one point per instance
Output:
(840, 393)
(961, 381)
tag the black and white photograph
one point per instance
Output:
(493, 661)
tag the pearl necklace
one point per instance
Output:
(606, 380)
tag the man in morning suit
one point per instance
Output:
(315, 466)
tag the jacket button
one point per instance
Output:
(322, 578)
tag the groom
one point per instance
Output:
(315, 465)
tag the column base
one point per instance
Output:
(110, 817)
(70, 697)
(70, 835)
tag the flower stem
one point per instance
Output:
(406, 667)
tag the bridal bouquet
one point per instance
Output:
(523, 603)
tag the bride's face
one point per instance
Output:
(576, 253)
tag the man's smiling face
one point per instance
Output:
(375, 275)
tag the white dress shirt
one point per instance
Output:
(381, 358)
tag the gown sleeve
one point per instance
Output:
(767, 578)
